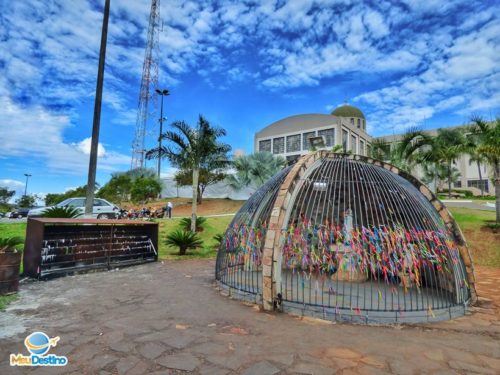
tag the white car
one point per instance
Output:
(102, 208)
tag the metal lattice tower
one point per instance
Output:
(149, 81)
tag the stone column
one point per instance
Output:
(273, 236)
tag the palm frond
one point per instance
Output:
(10, 243)
(61, 212)
(185, 129)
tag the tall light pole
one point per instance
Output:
(89, 202)
(26, 184)
(162, 93)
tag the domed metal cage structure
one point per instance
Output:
(345, 237)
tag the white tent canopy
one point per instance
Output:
(219, 190)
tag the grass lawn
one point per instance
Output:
(213, 226)
(13, 230)
(483, 240)
(5, 300)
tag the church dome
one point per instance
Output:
(346, 237)
(348, 111)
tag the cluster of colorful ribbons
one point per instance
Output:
(244, 245)
(377, 251)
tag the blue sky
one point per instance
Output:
(242, 64)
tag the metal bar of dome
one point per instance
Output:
(360, 223)
(410, 221)
(433, 219)
(378, 199)
(386, 208)
(327, 224)
(380, 205)
(434, 286)
(334, 223)
(379, 177)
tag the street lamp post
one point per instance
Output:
(89, 202)
(26, 184)
(162, 93)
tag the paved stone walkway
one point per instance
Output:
(169, 319)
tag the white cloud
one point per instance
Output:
(85, 145)
(448, 59)
(16, 185)
(376, 24)
(34, 132)
(462, 76)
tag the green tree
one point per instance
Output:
(55, 198)
(144, 188)
(26, 200)
(471, 149)
(408, 151)
(435, 173)
(137, 172)
(117, 189)
(255, 169)
(489, 148)
(188, 147)
(6, 195)
(446, 148)
(206, 178)
(380, 149)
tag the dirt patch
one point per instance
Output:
(485, 245)
(182, 206)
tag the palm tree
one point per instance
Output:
(406, 153)
(445, 148)
(188, 147)
(411, 149)
(255, 169)
(380, 149)
(489, 148)
(437, 173)
(476, 157)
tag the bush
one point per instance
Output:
(184, 240)
(486, 198)
(463, 193)
(61, 212)
(219, 237)
(185, 223)
(10, 243)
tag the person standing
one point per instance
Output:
(168, 211)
